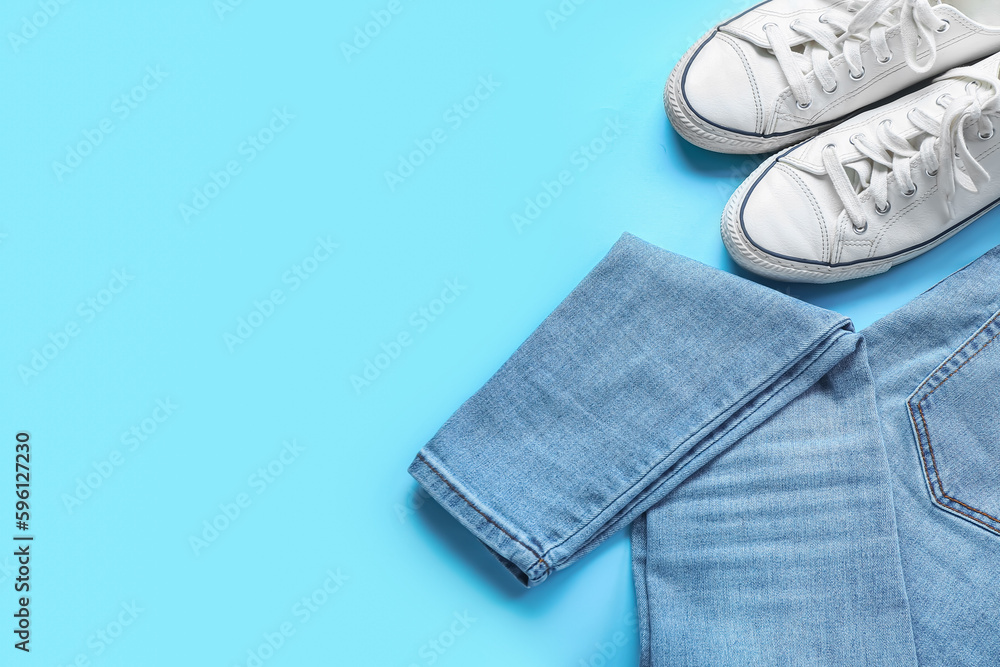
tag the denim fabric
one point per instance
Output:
(936, 367)
(799, 493)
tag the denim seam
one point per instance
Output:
(926, 430)
(481, 513)
(743, 399)
(644, 646)
(891, 496)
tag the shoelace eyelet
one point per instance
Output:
(932, 174)
(804, 106)
(883, 211)
(886, 60)
(822, 18)
(854, 137)
(945, 27)
(860, 76)
(768, 25)
(832, 90)
(987, 137)
(911, 192)
(860, 230)
(942, 100)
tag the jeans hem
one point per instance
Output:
(521, 559)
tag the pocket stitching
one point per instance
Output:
(927, 436)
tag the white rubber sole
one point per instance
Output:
(705, 135)
(751, 258)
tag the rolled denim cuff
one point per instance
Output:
(652, 366)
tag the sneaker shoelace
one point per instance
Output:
(941, 149)
(843, 30)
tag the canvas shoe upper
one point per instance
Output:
(787, 69)
(876, 190)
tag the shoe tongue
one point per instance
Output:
(858, 182)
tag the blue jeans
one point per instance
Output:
(799, 493)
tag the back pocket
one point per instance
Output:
(956, 417)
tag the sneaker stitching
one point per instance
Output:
(896, 217)
(758, 123)
(919, 201)
(817, 211)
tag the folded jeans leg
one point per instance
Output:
(651, 367)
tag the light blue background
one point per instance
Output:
(346, 502)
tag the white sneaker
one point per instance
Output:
(877, 190)
(786, 70)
